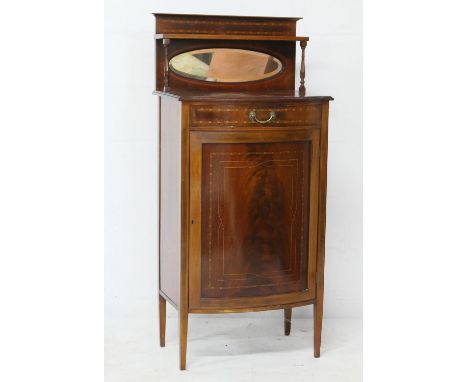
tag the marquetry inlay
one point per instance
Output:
(264, 191)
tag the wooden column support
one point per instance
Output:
(166, 42)
(302, 88)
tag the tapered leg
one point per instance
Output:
(183, 327)
(162, 321)
(287, 321)
(318, 315)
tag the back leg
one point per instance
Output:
(287, 321)
(162, 321)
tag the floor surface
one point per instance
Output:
(222, 348)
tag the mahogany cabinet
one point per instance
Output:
(243, 170)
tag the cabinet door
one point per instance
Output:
(253, 226)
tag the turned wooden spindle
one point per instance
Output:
(166, 43)
(302, 88)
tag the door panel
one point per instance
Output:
(253, 218)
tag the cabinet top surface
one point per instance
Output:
(280, 95)
(225, 16)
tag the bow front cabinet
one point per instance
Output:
(243, 170)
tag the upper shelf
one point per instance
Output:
(237, 27)
(205, 36)
(226, 17)
(179, 34)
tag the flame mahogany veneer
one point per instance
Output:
(243, 173)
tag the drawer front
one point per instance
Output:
(248, 116)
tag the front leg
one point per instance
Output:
(318, 317)
(183, 328)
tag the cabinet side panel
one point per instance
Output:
(170, 198)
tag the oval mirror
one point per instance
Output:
(225, 65)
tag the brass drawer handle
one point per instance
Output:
(253, 117)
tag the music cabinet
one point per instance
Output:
(243, 170)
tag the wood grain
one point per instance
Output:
(254, 218)
(226, 25)
(185, 227)
(303, 288)
(256, 308)
(236, 115)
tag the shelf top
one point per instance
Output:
(192, 36)
(226, 16)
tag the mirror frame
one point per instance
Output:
(284, 51)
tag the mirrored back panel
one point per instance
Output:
(225, 65)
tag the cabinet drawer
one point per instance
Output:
(250, 116)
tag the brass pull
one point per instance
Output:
(253, 117)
